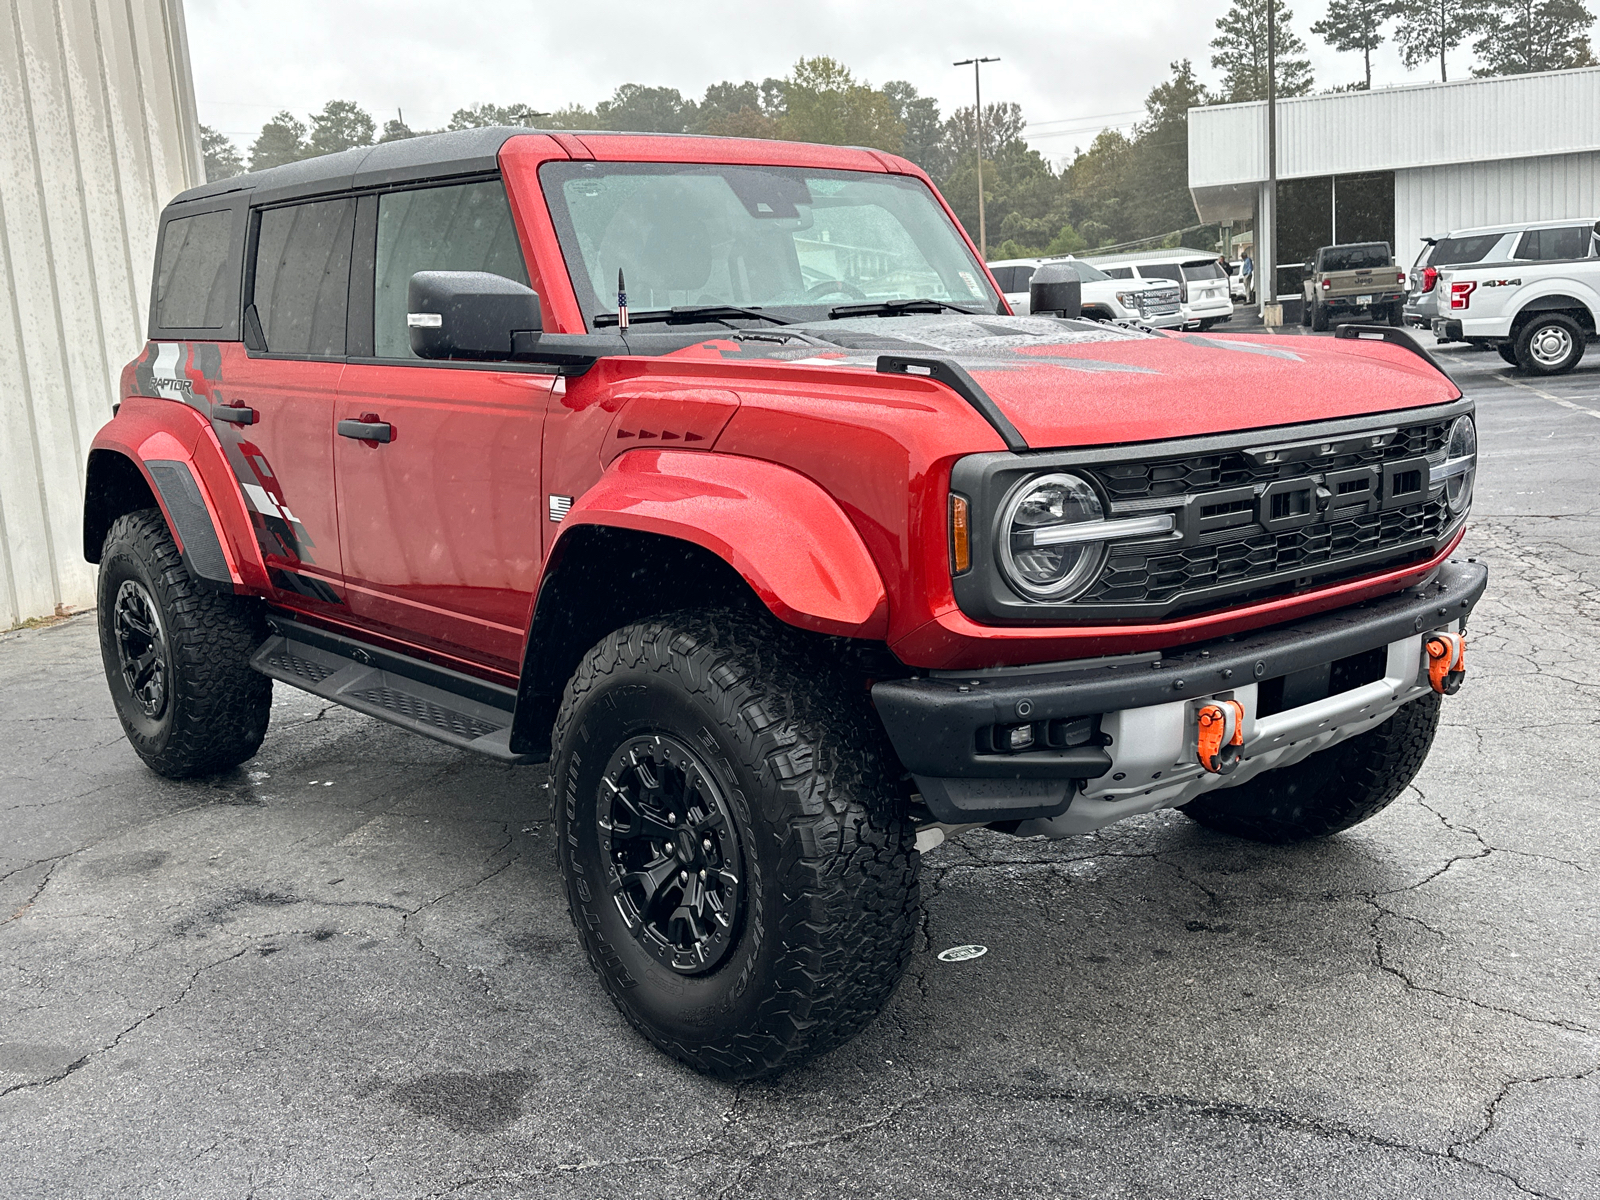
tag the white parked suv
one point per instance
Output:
(1200, 276)
(1521, 241)
(1538, 314)
(1155, 302)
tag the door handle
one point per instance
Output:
(367, 429)
(234, 414)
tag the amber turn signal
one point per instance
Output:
(960, 536)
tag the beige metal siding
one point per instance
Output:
(1431, 201)
(1517, 116)
(97, 132)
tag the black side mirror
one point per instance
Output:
(1055, 289)
(469, 314)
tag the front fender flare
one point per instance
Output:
(788, 539)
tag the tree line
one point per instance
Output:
(1126, 188)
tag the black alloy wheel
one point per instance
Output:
(674, 860)
(177, 655)
(142, 654)
(740, 863)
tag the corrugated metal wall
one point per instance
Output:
(1430, 201)
(1516, 116)
(97, 132)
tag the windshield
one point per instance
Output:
(1356, 258)
(756, 237)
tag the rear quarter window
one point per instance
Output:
(196, 285)
(1169, 271)
(1460, 251)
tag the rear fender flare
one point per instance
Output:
(175, 451)
(1559, 302)
(786, 537)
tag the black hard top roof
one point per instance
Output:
(432, 156)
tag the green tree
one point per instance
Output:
(1241, 52)
(395, 129)
(823, 102)
(282, 140)
(1356, 25)
(1534, 35)
(221, 155)
(341, 125)
(643, 109)
(483, 116)
(733, 110)
(1432, 28)
(922, 137)
(1158, 167)
(1096, 184)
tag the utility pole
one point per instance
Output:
(977, 112)
(1267, 269)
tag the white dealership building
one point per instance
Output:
(1399, 164)
(97, 132)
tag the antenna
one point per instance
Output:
(622, 303)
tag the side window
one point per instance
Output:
(1006, 277)
(196, 283)
(462, 227)
(1119, 272)
(302, 277)
(1569, 241)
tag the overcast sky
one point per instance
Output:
(1075, 67)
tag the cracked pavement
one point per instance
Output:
(346, 969)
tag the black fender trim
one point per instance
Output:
(955, 377)
(191, 519)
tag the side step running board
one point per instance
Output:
(415, 695)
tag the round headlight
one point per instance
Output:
(1038, 553)
(1461, 464)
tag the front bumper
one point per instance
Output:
(1137, 752)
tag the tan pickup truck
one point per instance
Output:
(1359, 279)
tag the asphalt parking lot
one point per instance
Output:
(347, 970)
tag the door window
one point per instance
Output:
(1546, 245)
(302, 277)
(1170, 271)
(462, 227)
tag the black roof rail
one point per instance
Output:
(1395, 337)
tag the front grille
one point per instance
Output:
(1159, 577)
(1254, 515)
(1205, 472)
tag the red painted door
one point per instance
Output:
(295, 320)
(440, 525)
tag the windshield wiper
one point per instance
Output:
(893, 308)
(692, 315)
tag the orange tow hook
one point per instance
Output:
(1221, 735)
(1447, 662)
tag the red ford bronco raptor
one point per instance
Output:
(717, 474)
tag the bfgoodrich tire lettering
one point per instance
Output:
(827, 896)
(177, 657)
(1330, 791)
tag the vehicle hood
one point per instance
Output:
(1082, 383)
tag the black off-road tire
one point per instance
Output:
(1508, 352)
(830, 899)
(215, 709)
(1397, 313)
(1330, 791)
(1533, 341)
(1319, 317)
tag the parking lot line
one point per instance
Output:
(1528, 387)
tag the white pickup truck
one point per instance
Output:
(1538, 315)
